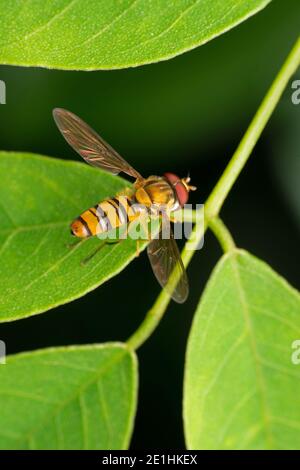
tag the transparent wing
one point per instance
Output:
(166, 262)
(90, 145)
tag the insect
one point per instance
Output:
(149, 195)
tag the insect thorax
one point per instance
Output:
(157, 192)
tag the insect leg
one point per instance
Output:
(143, 222)
(174, 219)
(137, 253)
(74, 244)
(88, 258)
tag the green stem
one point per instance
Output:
(222, 233)
(218, 195)
(189, 215)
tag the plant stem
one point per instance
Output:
(220, 192)
(222, 233)
(189, 215)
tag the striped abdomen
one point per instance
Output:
(107, 215)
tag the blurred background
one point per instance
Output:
(187, 114)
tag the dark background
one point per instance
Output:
(187, 114)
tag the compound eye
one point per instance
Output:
(181, 191)
(182, 194)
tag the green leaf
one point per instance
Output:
(97, 34)
(241, 388)
(78, 397)
(187, 91)
(39, 197)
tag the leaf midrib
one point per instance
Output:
(258, 366)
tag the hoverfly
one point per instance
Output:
(153, 193)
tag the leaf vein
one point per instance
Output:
(106, 27)
(248, 322)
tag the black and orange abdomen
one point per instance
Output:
(105, 216)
